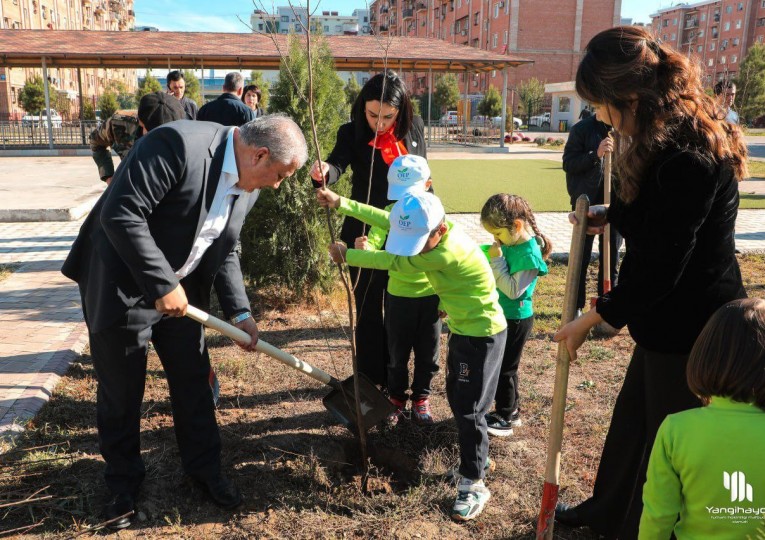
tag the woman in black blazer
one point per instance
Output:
(675, 204)
(382, 127)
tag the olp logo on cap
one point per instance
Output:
(407, 174)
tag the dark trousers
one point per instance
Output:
(119, 358)
(654, 386)
(412, 324)
(371, 341)
(473, 365)
(507, 400)
(616, 243)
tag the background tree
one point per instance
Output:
(750, 84)
(88, 111)
(108, 104)
(491, 104)
(192, 87)
(32, 95)
(150, 84)
(257, 78)
(447, 93)
(125, 99)
(531, 94)
(285, 241)
(352, 90)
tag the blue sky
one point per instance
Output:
(221, 16)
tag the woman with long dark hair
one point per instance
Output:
(382, 127)
(675, 204)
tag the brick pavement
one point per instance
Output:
(41, 327)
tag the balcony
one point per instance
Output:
(87, 3)
(383, 9)
(691, 23)
(422, 6)
(407, 13)
(383, 28)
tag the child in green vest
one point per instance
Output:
(412, 322)
(516, 261)
(421, 239)
(706, 474)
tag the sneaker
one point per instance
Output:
(515, 418)
(472, 496)
(421, 411)
(453, 474)
(498, 426)
(398, 414)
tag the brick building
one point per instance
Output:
(553, 34)
(717, 33)
(112, 15)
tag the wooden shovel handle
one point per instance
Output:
(607, 231)
(552, 469)
(241, 336)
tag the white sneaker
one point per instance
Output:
(472, 496)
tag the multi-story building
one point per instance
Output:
(718, 34)
(552, 34)
(63, 15)
(288, 19)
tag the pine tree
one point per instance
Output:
(447, 92)
(352, 90)
(108, 104)
(150, 84)
(285, 239)
(193, 91)
(491, 104)
(257, 78)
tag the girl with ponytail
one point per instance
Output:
(675, 204)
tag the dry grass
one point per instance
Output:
(297, 469)
(6, 270)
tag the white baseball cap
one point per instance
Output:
(407, 174)
(411, 221)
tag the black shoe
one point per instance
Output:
(222, 491)
(121, 506)
(567, 515)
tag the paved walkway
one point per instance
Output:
(41, 328)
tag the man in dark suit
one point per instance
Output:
(583, 154)
(228, 109)
(161, 237)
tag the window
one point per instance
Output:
(260, 26)
(665, 23)
(338, 28)
(722, 59)
(504, 38)
(496, 10)
(285, 18)
(727, 26)
(459, 4)
(733, 59)
(6, 22)
(674, 21)
(366, 19)
(564, 104)
(738, 24)
(728, 9)
(711, 62)
(712, 46)
(741, 6)
(326, 29)
(494, 40)
(664, 37)
(701, 33)
(674, 37)
(700, 48)
(723, 44)
(735, 42)
(703, 17)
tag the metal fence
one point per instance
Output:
(475, 133)
(19, 135)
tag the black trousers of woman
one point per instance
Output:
(654, 386)
(371, 339)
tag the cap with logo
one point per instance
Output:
(411, 221)
(407, 174)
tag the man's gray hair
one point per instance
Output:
(233, 82)
(280, 134)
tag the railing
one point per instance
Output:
(23, 135)
(483, 133)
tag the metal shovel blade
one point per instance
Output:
(375, 407)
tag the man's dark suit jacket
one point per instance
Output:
(143, 228)
(227, 110)
(584, 171)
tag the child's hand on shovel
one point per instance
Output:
(574, 333)
(337, 252)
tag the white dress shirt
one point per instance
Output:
(220, 209)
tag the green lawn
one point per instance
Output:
(464, 184)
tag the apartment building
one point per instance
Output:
(718, 34)
(112, 15)
(553, 34)
(293, 19)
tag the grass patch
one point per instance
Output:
(756, 169)
(464, 185)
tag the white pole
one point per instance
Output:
(503, 123)
(47, 104)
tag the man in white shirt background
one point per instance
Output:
(726, 94)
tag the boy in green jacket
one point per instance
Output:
(422, 240)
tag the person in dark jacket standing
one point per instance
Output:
(382, 127)
(583, 154)
(675, 204)
(228, 109)
(176, 85)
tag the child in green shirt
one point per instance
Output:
(411, 319)
(706, 474)
(422, 240)
(516, 261)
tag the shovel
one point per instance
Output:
(552, 470)
(375, 407)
